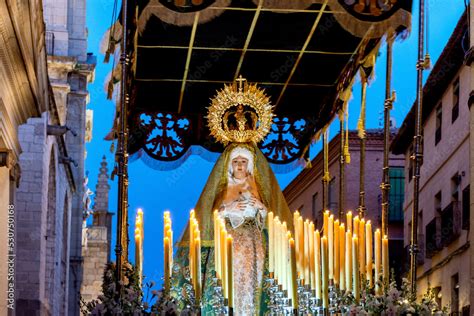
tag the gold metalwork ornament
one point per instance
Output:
(248, 106)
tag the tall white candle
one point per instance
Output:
(330, 235)
(318, 262)
(349, 221)
(342, 269)
(306, 253)
(325, 271)
(348, 277)
(355, 268)
(271, 255)
(378, 259)
(368, 253)
(311, 256)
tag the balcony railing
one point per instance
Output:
(451, 218)
(433, 237)
(50, 43)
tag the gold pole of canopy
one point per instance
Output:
(326, 176)
(388, 104)
(121, 248)
(362, 136)
(422, 64)
(342, 166)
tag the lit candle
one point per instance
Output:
(348, 277)
(362, 247)
(191, 243)
(356, 225)
(355, 268)
(330, 235)
(325, 223)
(299, 259)
(284, 257)
(336, 252)
(271, 243)
(317, 261)
(306, 253)
(288, 266)
(166, 265)
(349, 221)
(230, 276)
(386, 269)
(294, 286)
(377, 260)
(301, 247)
(368, 253)
(138, 245)
(223, 253)
(216, 244)
(288, 273)
(197, 265)
(325, 270)
(277, 247)
(311, 256)
(342, 270)
(170, 237)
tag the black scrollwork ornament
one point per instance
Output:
(167, 137)
(285, 142)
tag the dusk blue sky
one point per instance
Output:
(178, 190)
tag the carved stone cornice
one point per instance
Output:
(6, 158)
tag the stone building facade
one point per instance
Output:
(444, 219)
(71, 68)
(97, 239)
(43, 95)
(23, 94)
(305, 192)
(69, 79)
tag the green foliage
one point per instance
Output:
(395, 301)
(107, 303)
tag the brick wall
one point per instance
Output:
(300, 192)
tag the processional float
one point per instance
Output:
(128, 61)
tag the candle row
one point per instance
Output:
(139, 244)
(223, 257)
(282, 257)
(167, 248)
(195, 255)
(341, 256)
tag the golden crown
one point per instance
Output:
(240, 114)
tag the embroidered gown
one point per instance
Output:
(245, 224)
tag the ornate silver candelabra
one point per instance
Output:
(279, 304)
(219, 304)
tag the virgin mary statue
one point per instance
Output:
(243, 188)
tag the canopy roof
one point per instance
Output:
(304, 53)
